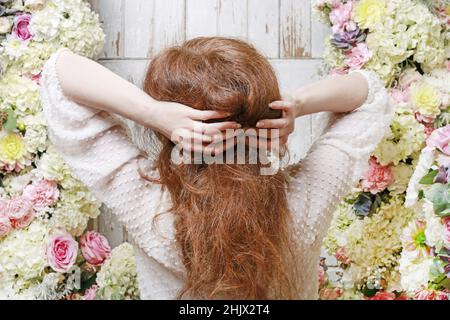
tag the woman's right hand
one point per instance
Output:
(186, 126)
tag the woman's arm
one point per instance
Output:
(90, 84)
(339, 94)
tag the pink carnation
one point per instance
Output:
(42, 194)
(358, 56)
(21, 24)
(95, 248)
(331, 294)
(62, 253)
(425, 295)
(377, 178)
(383, 295)
(20, 212)
(341, 256)
(90, 293)
(5, 226)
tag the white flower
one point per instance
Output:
(13, 47)
(434, 231)
(44, 25)
(412, 193)
(415, 275)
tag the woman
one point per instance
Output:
(212, 230)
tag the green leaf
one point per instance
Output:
(429, 178)
(11, 122)
(439, 195)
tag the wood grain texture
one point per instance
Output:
(138, 16)
(264, 26)
(295, 29)
(232, 18)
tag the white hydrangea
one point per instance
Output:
(414, 274)
(22, 254)
(44, 24)
(13, 47)
(117, 279)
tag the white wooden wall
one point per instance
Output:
(286, 31)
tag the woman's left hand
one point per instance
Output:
(284, 126)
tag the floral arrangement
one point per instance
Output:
(405, 42)
(45, 251)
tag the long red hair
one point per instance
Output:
(232, 223)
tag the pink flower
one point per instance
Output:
(443, 295)
(62, 253)
(339, 71)
(409, 77)
(321, 276)
(447, 230)
(331, 294)
(440, 140)
(377, 178)
(358, 56)
(95, 248)
(399, 96)
(20, 28)
(425, 295)
(340, 17)
(90, 293)
(42, 194)
(447, 65)
(20, 212)
(5, 226)
(423, 119)
(383, 295)
(341, 256)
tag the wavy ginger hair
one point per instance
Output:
(232, 223)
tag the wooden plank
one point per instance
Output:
(111, 228)
(110, 12)
(168, 24)
(319, 32)
(293, 74)
(263, 26)
(295, 25)
(138, 21)
(232, 18)
(201, 18)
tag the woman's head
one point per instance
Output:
(232, 223)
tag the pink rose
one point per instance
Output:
(20, 212)
(5, 226)
(340, 17)
(377, 178)
(443, 295)
(358, 56)
(20, 28)
(90, 293)
(42, 194)
(62, 253)
(95, 248)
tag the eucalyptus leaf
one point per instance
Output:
(11, 121)
(439, 195)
